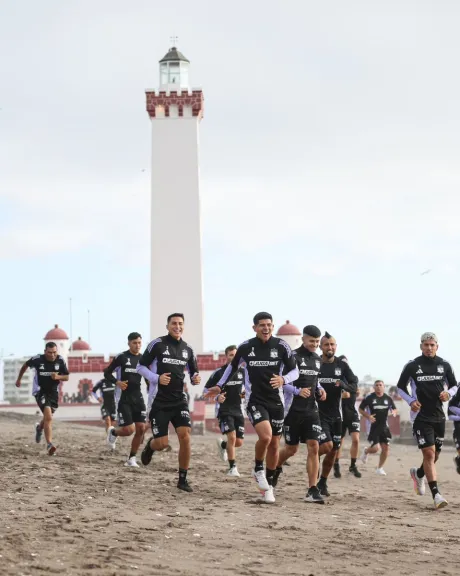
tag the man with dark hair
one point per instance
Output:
(375, 409)
(454, 416)
(163, 364)
(301, 420)
(422, 385)
(351, 422)
(104, 392)
(268, 364)
(128, 397)
(335, 376)
(50, 370)
(229, 412)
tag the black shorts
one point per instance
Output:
(331, 431)
(457, 435)
(273, 413)
(299, 427)
(379, 435)
(107, 411)
(160, 418)
(351, 422)
(429, 434)
(131, 411)
(231, 423)
(49, 399)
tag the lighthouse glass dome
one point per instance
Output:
(176, 73)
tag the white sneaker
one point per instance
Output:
(261, 480)
(380, 472)
(132, 462)
(269, 496)
(419, 483)
(439, 501)
(111, 439)
(233, 472)
(221, 451)
(364, 456)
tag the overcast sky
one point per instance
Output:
(329, 160)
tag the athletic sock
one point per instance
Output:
(259, 465)
(132, 454)
(223, 444)
(434, 488)
(232, 463)
(269, 475)
(322, 481)
(420, 472)
(182, 475)
(353, 462)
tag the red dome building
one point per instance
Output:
(80, 346)
(291, 334)
(56, 333)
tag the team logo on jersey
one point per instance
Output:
(273, 353)
(128, 362)
(42, 367)
(56, 366)
(440, 369)
(185, 354)
(166, 352)
(318, 364)
(252, 353)
(239, 376)
(374, 401)
(303, 362)
(338, 372)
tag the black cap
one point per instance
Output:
(311, 330)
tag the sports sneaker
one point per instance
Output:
(233, 472)
(132, 462)
(269, 496)
(261, 480)
(111, 439)
(322, 487)
(185, 486)
(380, 472)
(419, 483)
(337, 473)
(38, 433)
(439, 502)
(354, 470)
(457, 463)
(314, 496)
(276, 476)
(147, 453)
(221, 451)
(51, 449)
(364, 456)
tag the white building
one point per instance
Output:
(11, 394)
(291, 334)
(175, 111)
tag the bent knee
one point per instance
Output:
(238, 443)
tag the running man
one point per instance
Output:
(301, 422)
(335, 376)
(163, 364)
(351, 422)
(268, 364)
(229, 412)
(423, 385)
(129, 401)
(375, 408)
(50, 370)
(104, 392)
(454, 415)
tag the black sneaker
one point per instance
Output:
(185, 486)
(147, 453)
(355, 471)
(457, 463)
(314, 496)
(337, 473)
(323, 489)
(276, 476)
(38, 433)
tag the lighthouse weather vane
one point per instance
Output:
(174, 40)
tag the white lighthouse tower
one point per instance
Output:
(176, 269)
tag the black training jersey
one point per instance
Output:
(166, 355)
(309, 364)
(125, 367)
(261, 361)
(424, 379)
(233, 389)
(334, 377)
(106, 389)
(43, 370)
(454, 407)
(378, 406)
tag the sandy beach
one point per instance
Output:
(83, 513)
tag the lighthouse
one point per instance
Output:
(175, 111)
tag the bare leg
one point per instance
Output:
(231, 444)
(312, 462)
(184, 434)
(384, 455)
(286, 453)
(47, 424)
(138, 437)
(273, 452)
(264, 432)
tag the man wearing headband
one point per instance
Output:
(425, 383)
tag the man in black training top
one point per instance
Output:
(229, 412)
(423, 385)
(268, 364)
(301, 422)
(375, 408)
(50, 370)
(104, 392)
(163, 364)
(350, 422)
(128, 397)
(335, 376)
